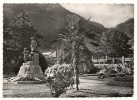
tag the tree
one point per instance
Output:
(72, 43)
(17, 36)
(114, 43)
(131, 40)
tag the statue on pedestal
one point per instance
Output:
(26, 54)
(31, 66)
(33, 45)
(30, 57)
(33, 49)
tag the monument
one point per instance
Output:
(30, 68)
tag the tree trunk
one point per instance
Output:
(57, 55)
(75, 64)
(118, 60)
(97, 58)
(77, 78)
(113, 60)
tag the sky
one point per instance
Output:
(108, 15)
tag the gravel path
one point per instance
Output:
(25, 90)
(89, 87)
(96, 88)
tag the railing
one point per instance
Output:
(128, 59)
(105, 60)
(99, 60)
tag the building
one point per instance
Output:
(49, 54)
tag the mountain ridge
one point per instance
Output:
(48, 19)
(127, 27)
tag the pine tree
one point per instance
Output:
(17, 35)
(72, 44)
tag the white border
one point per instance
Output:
(65, 1)
(69, 1)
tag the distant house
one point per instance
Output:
(50, 54)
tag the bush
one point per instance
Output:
(112, 82)
(42, 62)
(124, 79)
(94, 70)
(130, 64)
(9, 68)
(111, 70)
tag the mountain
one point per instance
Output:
(100, 26)
(127, 27)
(48, 19)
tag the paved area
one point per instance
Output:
(96, 88)
(89, 87)
(25, 90)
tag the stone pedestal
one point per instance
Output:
(31, 68)
(36, 59)
(23, 70)
(30, 72)
(35, 71)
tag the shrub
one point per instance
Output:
(9, 68)
(112, 82)
(94, 70)
(42, 62)
(124, 79)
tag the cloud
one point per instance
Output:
(107, 14)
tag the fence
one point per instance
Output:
(111, 61)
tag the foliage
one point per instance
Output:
(124, 78)
(75, 31)
(51, 61)
(127, 83)
(9, 68)
(131, 40)
(107, 72)
(94, 70)
(130, 64)
(43, 62)
(17, 36)
(59, 77)
(72, 44)
(114, 44)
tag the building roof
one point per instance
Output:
(49, 54)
